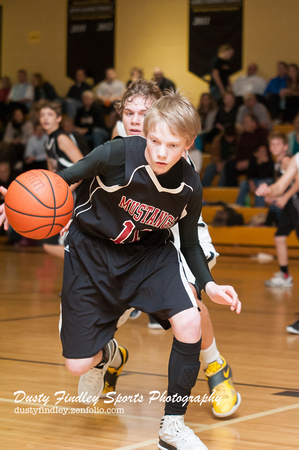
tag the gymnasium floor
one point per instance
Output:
(264, 359)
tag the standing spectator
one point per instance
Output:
(43, 90)
(161, 81)
(260, 171)
(73, 99)
(293, 137)
(273, 89)
(252, 106)
(17, 134)
(221, 71)
(4, 92)
(35, 154)
(251, 82)
(252, 137)
(21, 94)
(289, 96)
(90, 121)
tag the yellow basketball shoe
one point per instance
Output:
(219, 377)
(111, 376)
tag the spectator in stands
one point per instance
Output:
(252, 106)
(90, 121)
(293, 137)
(207, 110)
(43, 90)
(223, 149)
(252, 137)
(73, 99)
(251, 82)
(221, 71)
(21, 94)
(68, 126)
(260, 170)
(17, 133)
(35, 154)
(109, 90)
(136, 74)
(5, 88)
(273, 89)
(161, 80)
(289, 96)
(226, 115)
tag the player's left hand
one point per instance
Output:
(224, 295)
(3, 218)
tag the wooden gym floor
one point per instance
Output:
(263, 356)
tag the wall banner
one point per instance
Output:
(90, 37)
(213, 23)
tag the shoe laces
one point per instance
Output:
(213, 368)
(177, 426)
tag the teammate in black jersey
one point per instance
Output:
(119, 254)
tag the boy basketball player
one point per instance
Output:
(119, 254)
(132, 108)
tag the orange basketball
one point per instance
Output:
(38, 204)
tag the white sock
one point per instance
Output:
(210, 355)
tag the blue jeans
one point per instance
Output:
(209, 174)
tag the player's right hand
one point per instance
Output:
(3, 218)
(263, 190)
(66, 228)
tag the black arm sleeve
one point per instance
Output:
(106, 160)
(190, 246)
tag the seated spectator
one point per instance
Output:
(260, 170)
(223, 149)
(35, 156)
(207, 110)
(107, 92)
(90, 121)
(252, 137)
(17, 134)
(161, 80)
(220, 72)
(21, 94)
(68, 126)
(251, 82)
(273, 89)
(226, 115)
(293, 138)
(135, 74)
(43, 90)
(5, 88)
(289, 96)
(252, 106)
(73, 98)
(110, 89)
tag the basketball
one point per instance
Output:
(38, 204)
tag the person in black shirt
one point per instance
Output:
(90, 121)
(119, 254)
(221, 71)
(73, 99)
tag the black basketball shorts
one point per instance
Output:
(102, 280)
(289, 221)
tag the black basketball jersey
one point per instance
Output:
(126, 213)
(59, 159)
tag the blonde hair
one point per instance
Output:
(177, 112)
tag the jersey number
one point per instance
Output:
(126, 232)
